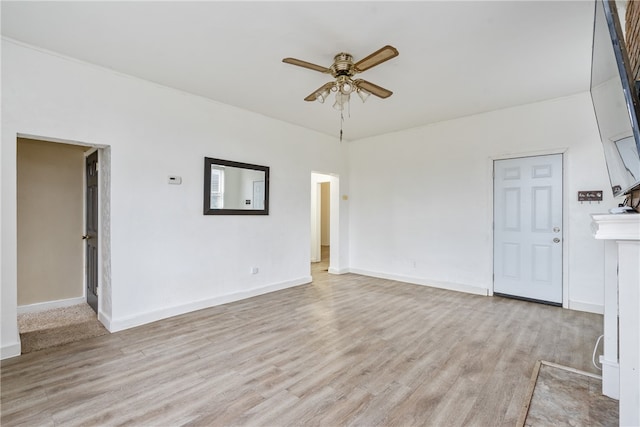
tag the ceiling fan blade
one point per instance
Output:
(377, 57)
(305, 64)
(313, 95)
(376, 90)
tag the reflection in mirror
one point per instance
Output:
(234, 188)
(615, 100)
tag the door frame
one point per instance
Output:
(104, 202)
(316, 218)
(334, 215)
(565, 210)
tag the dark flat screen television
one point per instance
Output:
(615, 100)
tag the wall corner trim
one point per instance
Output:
(104, 319)
(13, 349)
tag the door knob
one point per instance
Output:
(86, 237)
(556, 240)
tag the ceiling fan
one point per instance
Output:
(343, 69)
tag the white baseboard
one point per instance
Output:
(469, 289)
(10, 350)
(48, 305)
(339, 271)
(105, 320)
(611, 379)
(114, 325)
(586, 306)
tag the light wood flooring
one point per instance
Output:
(343, 350)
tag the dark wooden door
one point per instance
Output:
(91, 234)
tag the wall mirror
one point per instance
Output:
(234, 188)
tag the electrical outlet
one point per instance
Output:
(254, 270)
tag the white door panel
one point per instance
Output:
(527, 228)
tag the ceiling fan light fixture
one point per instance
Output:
(341, 100)
(322, 96)
(363, 94)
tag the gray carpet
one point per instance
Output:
(55, 327)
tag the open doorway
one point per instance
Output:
(51, 240)
(50, 223)
(324, 222)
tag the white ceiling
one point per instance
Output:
(456, 58)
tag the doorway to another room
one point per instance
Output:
(57, 236)
(324, 228)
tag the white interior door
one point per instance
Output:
(528, 228)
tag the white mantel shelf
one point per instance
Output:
(616, 227)
(621, 372)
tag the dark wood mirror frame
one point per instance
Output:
(210, 164)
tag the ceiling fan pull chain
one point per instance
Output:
(341, 122)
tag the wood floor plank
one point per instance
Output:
(345, 350)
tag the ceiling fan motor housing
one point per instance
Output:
(343, 65)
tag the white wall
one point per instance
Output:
(421, 199)
(166, 257)
(416, 205)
